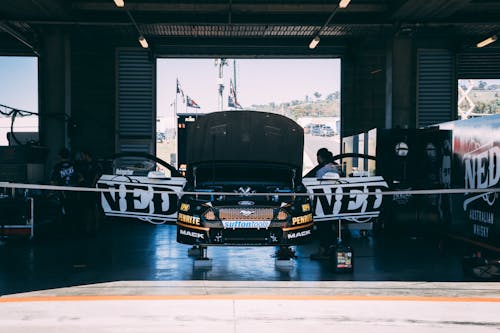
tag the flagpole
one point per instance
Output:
(234, 76)
(176, 93)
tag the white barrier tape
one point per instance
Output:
(382, 192)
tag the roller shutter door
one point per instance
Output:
(436, 87)
(136, 101)
(479, 64)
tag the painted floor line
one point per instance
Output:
(247, 297)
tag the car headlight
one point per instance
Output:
(282, 215)
(209, 215)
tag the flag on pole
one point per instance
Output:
(232, 101)
(191, 103)
(178, 89)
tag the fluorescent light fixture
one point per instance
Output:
(119, 3)
(144, 42)
(487, 41)
(344, 3)
(314, 42)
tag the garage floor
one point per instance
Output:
(138, 251)
(134, 277)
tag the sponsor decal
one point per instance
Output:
(188, 219)
(247, 212)
(245, 191)
(189, 233)
(402, 199)
(124, 172)
(481, 171)
(302, 219)
(139, 200)
(298, 234)
(348, 200)
(246, 203)
(184, 207)
(246, 224)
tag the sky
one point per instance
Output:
(18, 89)
(19, 83)
(258, 81)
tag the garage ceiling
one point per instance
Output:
(464, 21)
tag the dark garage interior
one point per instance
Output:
(401, 65)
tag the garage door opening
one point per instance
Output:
(18, 93)
(305, 90)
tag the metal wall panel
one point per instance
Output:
(436, 87)
(136, 100)
(479, 64)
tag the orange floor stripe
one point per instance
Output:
(246, 297)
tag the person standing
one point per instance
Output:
(325, 229)
(64, 174)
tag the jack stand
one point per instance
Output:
(194, 251)
(202, 261)
(284, 257)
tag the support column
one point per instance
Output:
(403, 83)
(55, 93)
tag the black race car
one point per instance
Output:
(243, 174)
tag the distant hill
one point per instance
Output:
(329, 107)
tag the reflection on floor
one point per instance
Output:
(131, 251)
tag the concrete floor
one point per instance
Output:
(134, 277)
(138, 251)
(251, 306)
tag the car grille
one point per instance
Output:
(246, 214)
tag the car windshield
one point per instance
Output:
(137, 166)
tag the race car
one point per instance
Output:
(243, 185)
(244, 182)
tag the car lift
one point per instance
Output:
(199, 252)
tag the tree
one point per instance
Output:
(317, 95)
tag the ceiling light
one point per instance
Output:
(344, 3)
(144, 42)
(314, 42)
(119, 3)
(487, 41)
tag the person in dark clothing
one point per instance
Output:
(64, 174)
(325, 164)
(89, 172)
(88, 169)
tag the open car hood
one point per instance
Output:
(245, 136)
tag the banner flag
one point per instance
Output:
(191, 103)
(178, 89)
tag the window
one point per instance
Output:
(477, 98)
